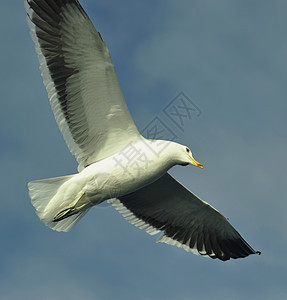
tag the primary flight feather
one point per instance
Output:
(90, 110)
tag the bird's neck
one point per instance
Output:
(162, 152)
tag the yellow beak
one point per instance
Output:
(195, 163)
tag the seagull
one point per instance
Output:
(116, 163)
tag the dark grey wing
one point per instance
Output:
(186, 221)
(81, 80)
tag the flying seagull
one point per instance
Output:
(116, 163)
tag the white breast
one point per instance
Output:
(135, 167)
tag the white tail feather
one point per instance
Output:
(43, 194)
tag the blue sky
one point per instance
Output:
(229, 58)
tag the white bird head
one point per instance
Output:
(175, 153)
(186, 157)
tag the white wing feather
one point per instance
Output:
(81, 81)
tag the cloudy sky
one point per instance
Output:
(229, 58)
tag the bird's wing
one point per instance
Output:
(186, 221)
(81, 81)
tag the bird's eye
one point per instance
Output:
(187, 150)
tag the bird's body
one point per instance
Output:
(116, 164)
(136, 166)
